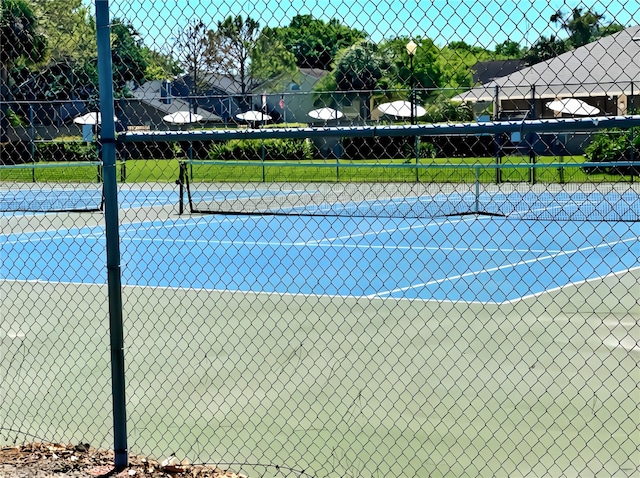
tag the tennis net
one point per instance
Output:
(559, 192)
(51, 187)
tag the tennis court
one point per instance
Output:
(371, 256)
(338, 343)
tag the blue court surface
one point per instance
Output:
(465, 258)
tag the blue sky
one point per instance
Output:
(478, 22)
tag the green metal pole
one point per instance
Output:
(108, 139)
(631, 110)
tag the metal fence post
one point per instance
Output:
(108, 139)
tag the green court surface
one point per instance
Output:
(337, 385)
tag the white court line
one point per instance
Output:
(583, 281)
(434, 222)
(328, 241)
(52, 236)
(98, 231)
(341, 246)
(501, 267)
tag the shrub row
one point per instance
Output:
(269, 149)
(611, 146)
(20, 152)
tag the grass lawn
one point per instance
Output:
(438, 170)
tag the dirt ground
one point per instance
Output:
(51, 460)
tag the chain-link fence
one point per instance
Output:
(353, 238)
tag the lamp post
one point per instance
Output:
(411, 51)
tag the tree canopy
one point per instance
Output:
(583, 26)
(426, 74)
(315, 43)
(49, 46)
(21, 36)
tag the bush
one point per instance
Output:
(379, 147)
(65, 151)
(15, 152)
(274, 149)
(611, 146)
(19, 152)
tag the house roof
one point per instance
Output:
(224, 84)
(485, 71)
(314, 72)
(150, 93)
(607, 66)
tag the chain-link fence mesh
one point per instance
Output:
(356, 238)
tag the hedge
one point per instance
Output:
(611, 146)
(269, 149)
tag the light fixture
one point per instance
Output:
(411, 48)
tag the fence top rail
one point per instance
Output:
(360, 165)
(58, 165)
(426, 129)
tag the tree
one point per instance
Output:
(314, 42)
(74, 76)
(246, 55)
(22, 42)
(583, 27)
(359, 69)
(545, 49)
(70, 30)
(270, 59)
(456, 61)
(193, 45)
(160, 66)
(22, 39)
(426, 71)
(230, 49)
(509, 49)
(129, 62)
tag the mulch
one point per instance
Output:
(53, 460)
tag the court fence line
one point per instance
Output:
(327, 284)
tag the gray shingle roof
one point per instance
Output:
(605, 67)
(150, 93)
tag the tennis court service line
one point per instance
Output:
(412, 227)
(94, 232)
(501, 267)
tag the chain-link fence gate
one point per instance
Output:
(351, 238)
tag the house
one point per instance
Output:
(604, 74)
(288, 98)
(154, 100)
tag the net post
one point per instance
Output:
(185, 184)
(180, 182)
(477, 191)
(262, 153)
(416, 149)
(532, 137)
(631, 109)
(497, 137)
(108, 140)
(532, 160)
